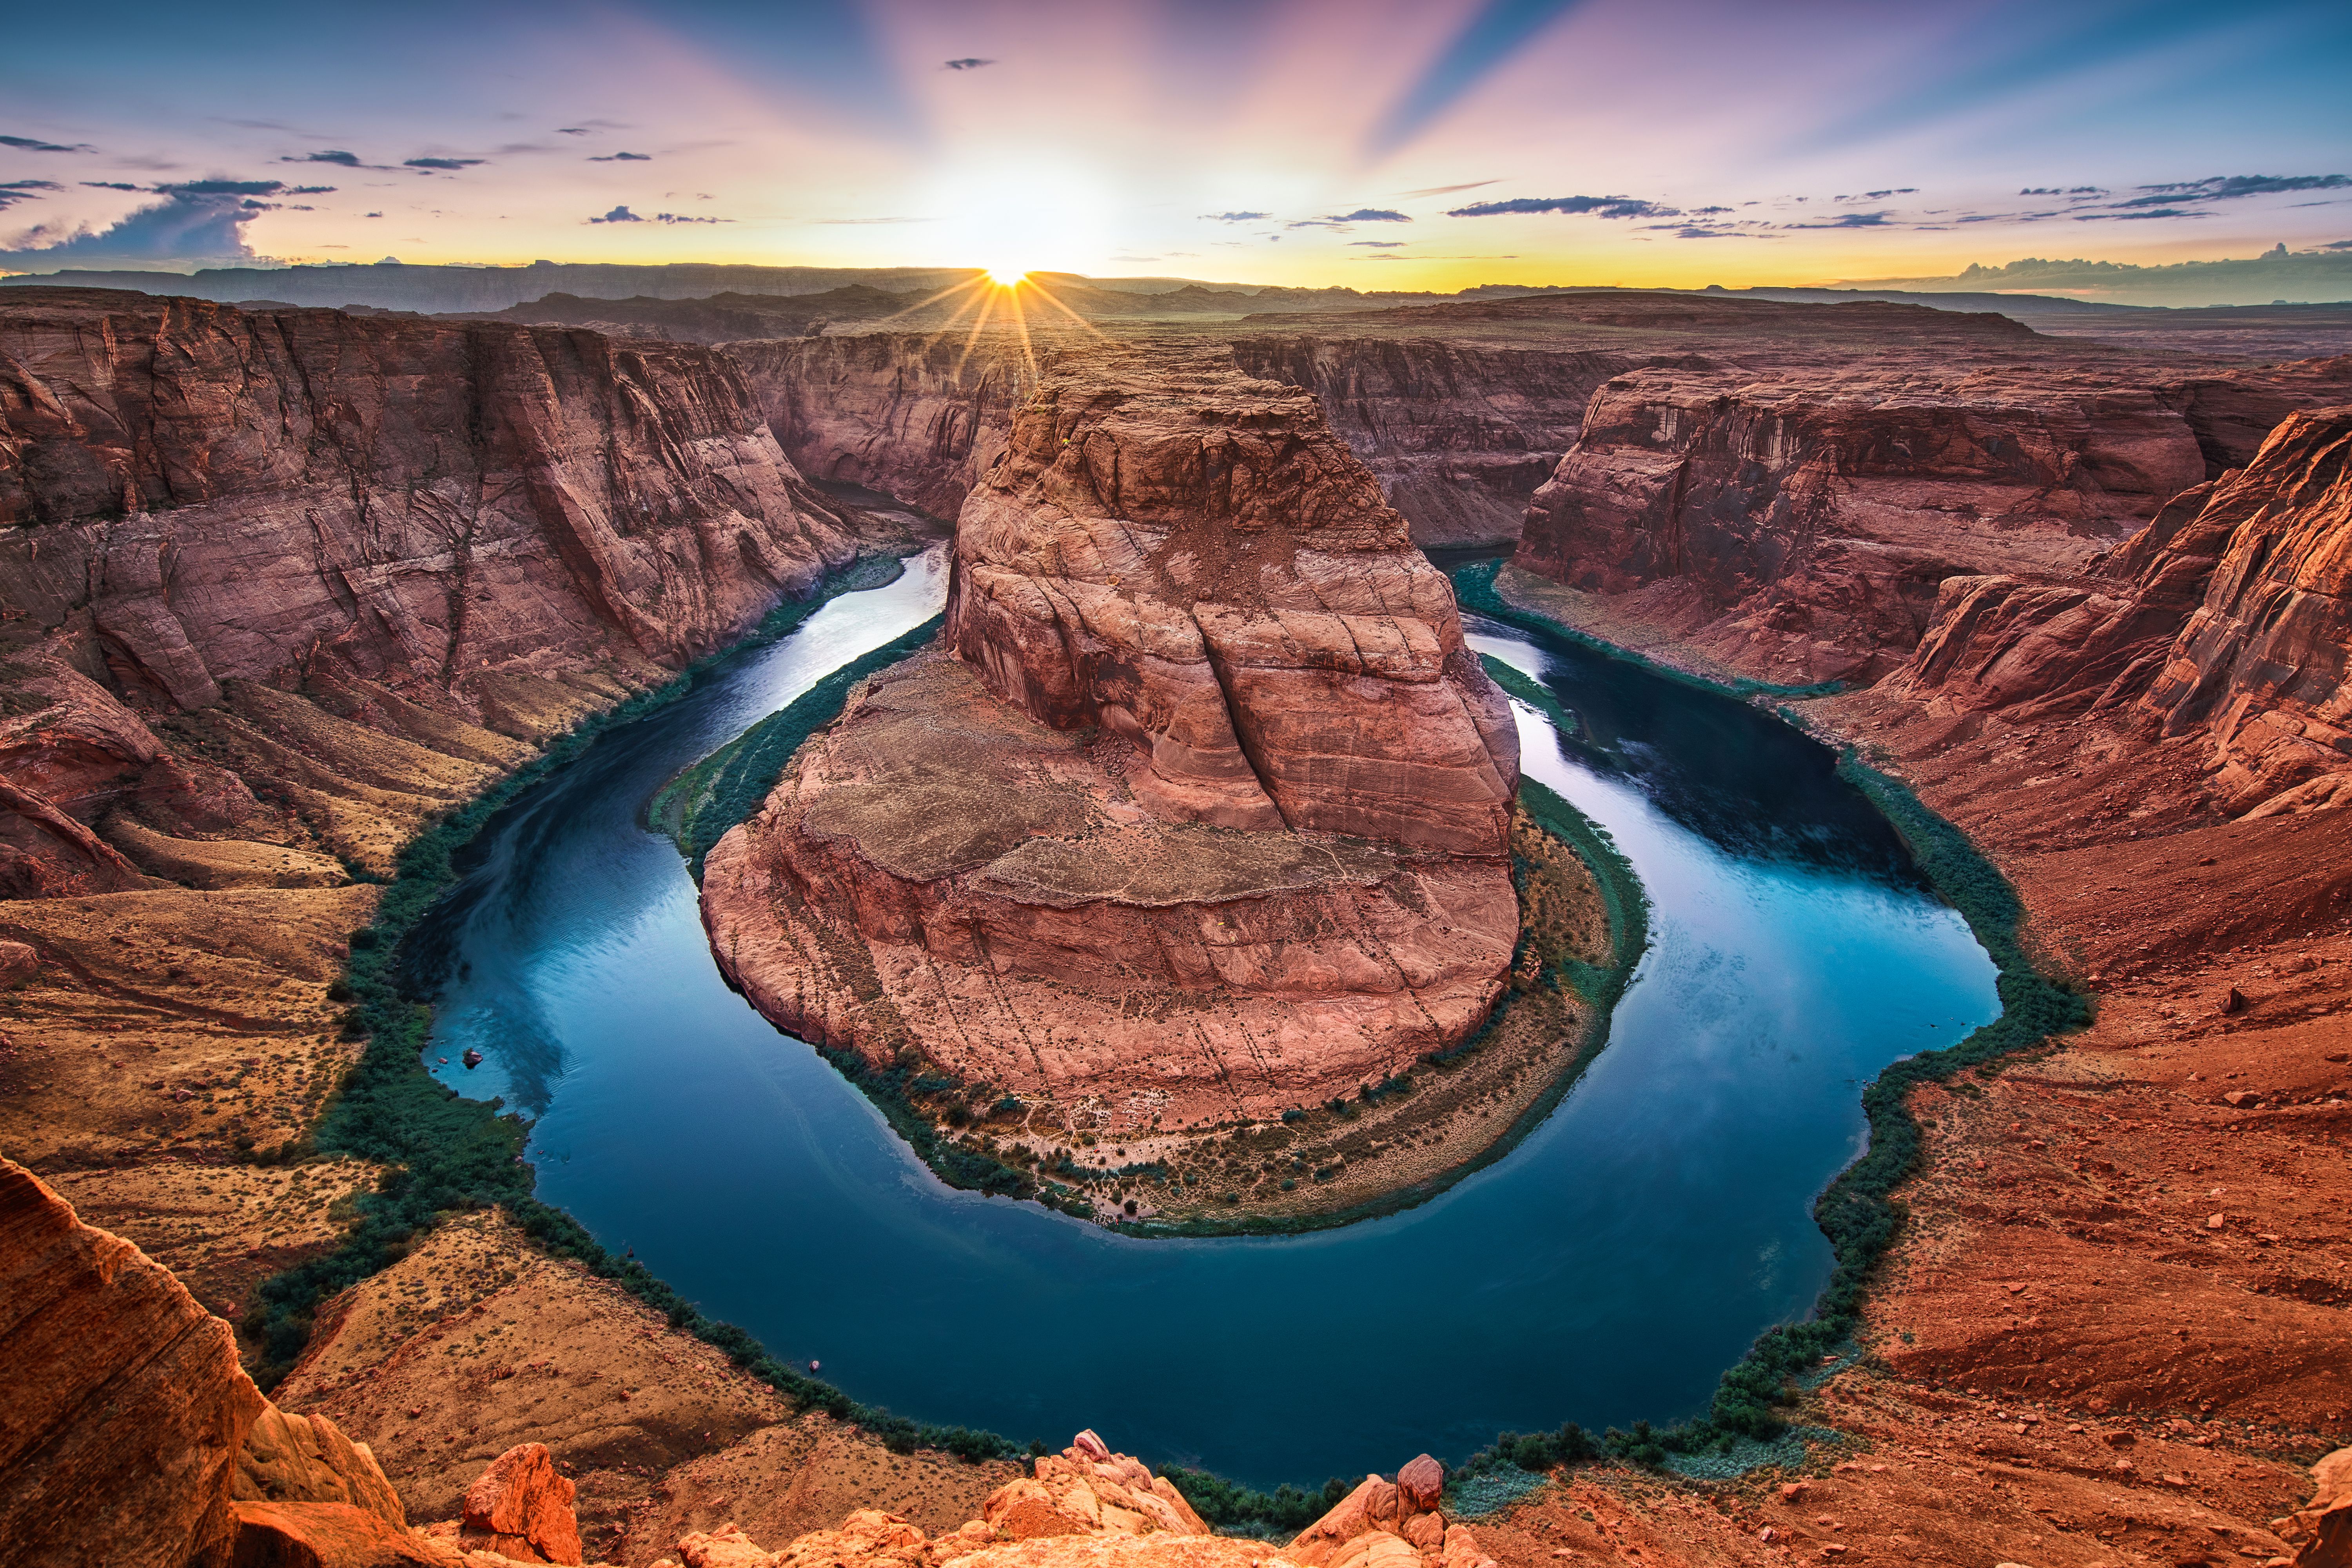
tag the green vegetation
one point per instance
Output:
(1474, 586)
(698, 807)
(1235, 1510)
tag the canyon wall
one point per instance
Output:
(1201, 811)
(1797, 526)
(481, 525)
(2224, 620)
(917, 416)
(1459, 435)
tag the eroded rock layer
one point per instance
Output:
(1201, 812)
(2225, 620)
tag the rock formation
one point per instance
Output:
(1201, 812)
(307, 1459)
(2225, 619)
(126, 1406)
(1087, 1507)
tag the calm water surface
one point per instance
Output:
(1607, 1270)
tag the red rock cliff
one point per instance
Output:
(1205, 817)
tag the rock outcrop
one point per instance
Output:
(307, 1459)
(521, 1508)
(1201, 812)
(2225, 619)
(126, 1407)
(1088, 1507)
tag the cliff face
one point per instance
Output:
(450, 525)
(1459, 435)
(2226, 619)
(1798, 525)
(914, 415)
(1207, 812)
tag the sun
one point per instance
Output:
(1007, 277)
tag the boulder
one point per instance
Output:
(1422, 1482)
(307, 1459)
(126, 1407)
(522, 1509)
(17, 962)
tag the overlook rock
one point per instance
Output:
(1202, 809)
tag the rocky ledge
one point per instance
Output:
(1201, 812)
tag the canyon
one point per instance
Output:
(277, 588)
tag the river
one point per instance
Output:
(1607, 1270)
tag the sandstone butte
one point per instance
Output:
(1200, 810)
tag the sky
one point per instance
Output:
(1373, 143)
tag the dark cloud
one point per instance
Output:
(200, 220)
(112, 185)
(574, 131)
(1377, 244)
(681, 218)
(30, 144)
(1368, 215)
(442, 163)
(2337, 245)
(1234, 217)
(2137, 216)
(1880, 196)
(619, 215)
(2229, 187)
(2063, 191)
(298, 190)
(15, 191)
(624, 158)
(1599, 206)
(332, 155)
(1852, 220)
(967, 64)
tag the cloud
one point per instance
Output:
(2230, 187)
(966, 64)
(624, 158)
(290, 190)
(1377, 244)
(200, 220)
(1234, 217)
(30, 144)
(680, 217)
(15, 191)
(443, 164)
(1880, 196)
(1852, 220)
(1599, 206)
(2337, 245)
(1368, 215)
(574, 131)
(332, 155)
(2063, 191)
(112, 185)
(1448, 190)
(619, 215)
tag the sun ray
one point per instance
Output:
(1047, 295)
(954, 289)
(987, 309)
(1020, 320)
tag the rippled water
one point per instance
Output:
(1607, 1270)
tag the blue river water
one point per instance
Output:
(1607, 1270)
